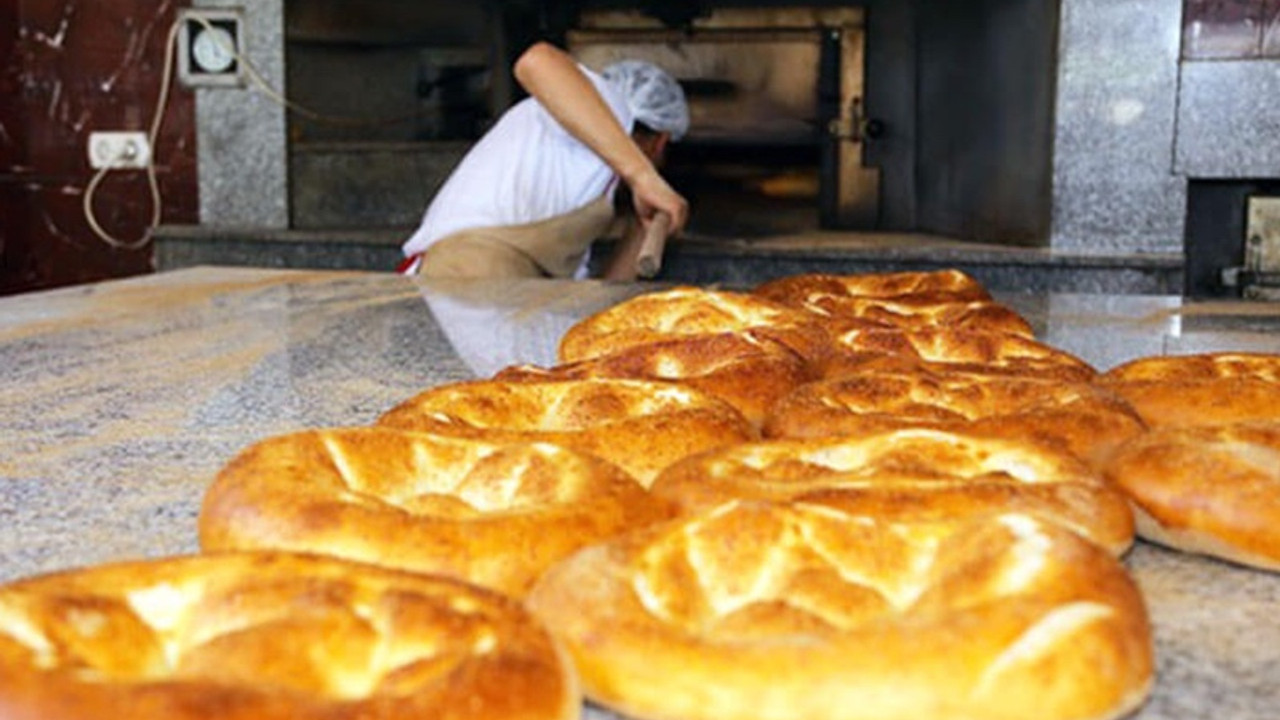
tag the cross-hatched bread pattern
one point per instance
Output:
(1203, 366)
(799, 289)
(776, 611)
(918, 311)
(1209, 489)
(746, 369)
(911, 474)
(1088, 420)
(641, 426)
(687, 312)
(272, 636)
(492, 514)
(1201, 389)
(945, 349)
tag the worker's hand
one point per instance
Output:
(651, 195)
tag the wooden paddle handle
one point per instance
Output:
(649, 260)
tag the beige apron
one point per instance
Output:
(553, 247)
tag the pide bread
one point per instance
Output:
(1084, 418)
(1199, 389)
(495, 515)
(641, 426)
(746, 369)
(918, 311)
(933, 311)
(910, 474)
(272, 636)
(800, 289)
(833, 497)
(768, 611)
(1207, 489)
(686, 312)
(944, 349)
(970, 310)
(1202, 366)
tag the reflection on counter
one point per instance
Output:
(494, 325)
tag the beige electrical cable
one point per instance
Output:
(158, 117)
(152, 182)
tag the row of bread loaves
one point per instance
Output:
(832, 497)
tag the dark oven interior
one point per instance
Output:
(775, 97)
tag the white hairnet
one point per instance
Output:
(655, 98)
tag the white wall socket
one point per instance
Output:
(119, 150)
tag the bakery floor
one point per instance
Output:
(122, 399)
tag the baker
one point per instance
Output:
(530, 197)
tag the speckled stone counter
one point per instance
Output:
(121, 400)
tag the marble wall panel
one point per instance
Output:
(242, 131)
(1227, 122)
(12, 132)
(1114, 186)
(71, 67)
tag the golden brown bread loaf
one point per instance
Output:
(641, 426)
(746, 370)
(684, 312)
(910, 474)
(272, 636)
(858, 349)
(905, 300)
(757, 611)
(803, 288)
(1199, 389)
(1211, 489)
(495, 515)
(918, 311)
(1082, 417)
(1201, 366)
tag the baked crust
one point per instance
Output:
(745, 369)
(1206, 388)
(911, 474)
(773, 612)
(1084, 418)
(1212, 490)
(799, 289)
(1201, 366)
(641, 426)
(860, 349)
(684, 312)
(495, 515)
(905, 300)
(918, 311)
(272, 636)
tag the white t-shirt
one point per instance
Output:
(525, 169)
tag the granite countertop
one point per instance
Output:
(122, 399)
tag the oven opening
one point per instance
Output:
(775, 144)
(743, 190)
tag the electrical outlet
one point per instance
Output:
(119, 150)
(210, 47)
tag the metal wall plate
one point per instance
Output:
(211, 47)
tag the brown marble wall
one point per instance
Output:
(1231, 29)
(68, 67)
